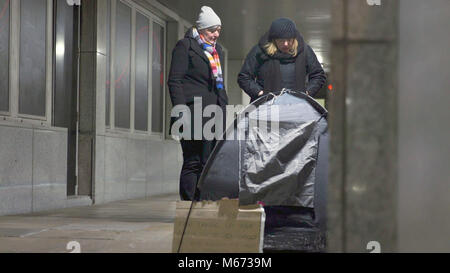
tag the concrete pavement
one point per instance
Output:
(130, 226)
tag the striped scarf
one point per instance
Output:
(213, 57)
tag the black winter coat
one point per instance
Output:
(191, 76)
(262, 72)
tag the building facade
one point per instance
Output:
(83, 103)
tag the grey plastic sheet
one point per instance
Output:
(279, 164)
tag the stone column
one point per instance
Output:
(363, 126)
(424, 147)
(92, 61)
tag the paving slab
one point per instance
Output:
(129, 226)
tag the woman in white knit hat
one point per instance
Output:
(196, 71)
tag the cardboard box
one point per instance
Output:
(218, 227)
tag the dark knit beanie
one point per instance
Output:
(282, 28)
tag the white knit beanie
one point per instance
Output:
(207, 18)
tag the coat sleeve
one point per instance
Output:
(247, 76)
(316, 75)
(178, 69)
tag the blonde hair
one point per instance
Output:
(271, 48)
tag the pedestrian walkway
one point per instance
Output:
(136, 226)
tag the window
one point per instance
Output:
(136, 65)
(33, 49)
(108, 64)
(158, 78)
(37, 64)
(141, 71)
(26, 53)
(122, 59)
(4, 55)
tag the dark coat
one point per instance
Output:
(191, 76)
(262, 72)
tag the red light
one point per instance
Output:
(330, 87)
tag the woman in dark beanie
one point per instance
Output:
(280, 60)
(196, 72)
(283, 60)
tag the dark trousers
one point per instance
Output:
(195, 155)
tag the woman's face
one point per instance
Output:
(284, 45)
(211, 34)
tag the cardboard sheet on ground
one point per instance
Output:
(219, 227)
